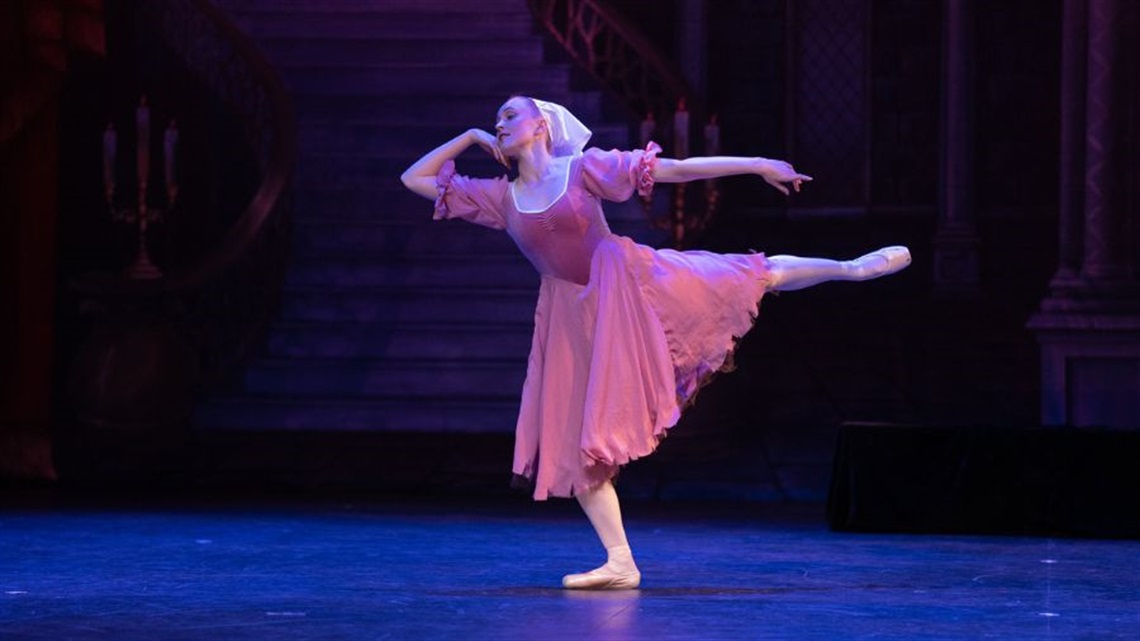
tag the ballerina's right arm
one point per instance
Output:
(420, 177)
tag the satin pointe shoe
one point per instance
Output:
(897, 258)
(602, 578)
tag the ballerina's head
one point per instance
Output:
(524, 121)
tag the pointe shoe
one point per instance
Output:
(602, 578)
(897, 258)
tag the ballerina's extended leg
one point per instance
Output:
(620, 572)
(793, 272)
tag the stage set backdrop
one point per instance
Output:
(211, 274)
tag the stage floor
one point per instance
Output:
(386, 569)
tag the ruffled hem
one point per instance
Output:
(697, 381)
(527, 484)
(642, 172)
(691, 355)
(442, 183)
(689, 386)
(593, 474)
(690, 374)
(690, 383)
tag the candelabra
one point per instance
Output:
(681, 218)
(140, 212)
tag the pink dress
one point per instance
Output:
(624, 335)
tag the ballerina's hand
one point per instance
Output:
(490, 145)
(778, 172)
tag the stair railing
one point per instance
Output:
(617, 54)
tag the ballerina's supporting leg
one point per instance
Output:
(601, 503)
(620, 572)
(792, 272)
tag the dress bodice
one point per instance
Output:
(560, 240)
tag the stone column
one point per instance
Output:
(1104, 258)
(1089, 326)
(956, 243)
(1071, 205)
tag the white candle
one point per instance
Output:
(110, 147)
(142, 119)
(712, 137)
(169, 148)
(681, 131)
(648, 128)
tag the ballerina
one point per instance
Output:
(624, 335)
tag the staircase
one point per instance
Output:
(391, 322)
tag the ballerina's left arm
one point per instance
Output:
(777, 173)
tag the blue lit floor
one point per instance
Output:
(419, 571)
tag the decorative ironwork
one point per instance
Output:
(616, 53)
(632, 68)
(229, 295)
(828, 129)
(904, 73)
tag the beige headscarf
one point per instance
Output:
(568, 136)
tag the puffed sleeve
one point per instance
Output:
(615, 175)
(475, 200)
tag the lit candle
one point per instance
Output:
(648, 128)
(110, 146)
(712, 137)
(169, 147)
(142, 119)
(681, 131)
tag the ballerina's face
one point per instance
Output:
(519, 124)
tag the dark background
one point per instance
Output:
(904, 351)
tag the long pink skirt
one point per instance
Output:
(613, 363)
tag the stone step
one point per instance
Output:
(461, 270)
(388, 200)
(461, 110)
(368, 174)
(362, 202)
(414, 305)
(341, 414)
(333, 237)
(400, 78)
(437, 341)
(386, 379)
(344, 140)
(505, 53)
(436, 83)
(483, 24)
(465, 7)
(358, 170)
(352, 174)
(421, 83)
(329, 237)
(389, 321)
(340, 142)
